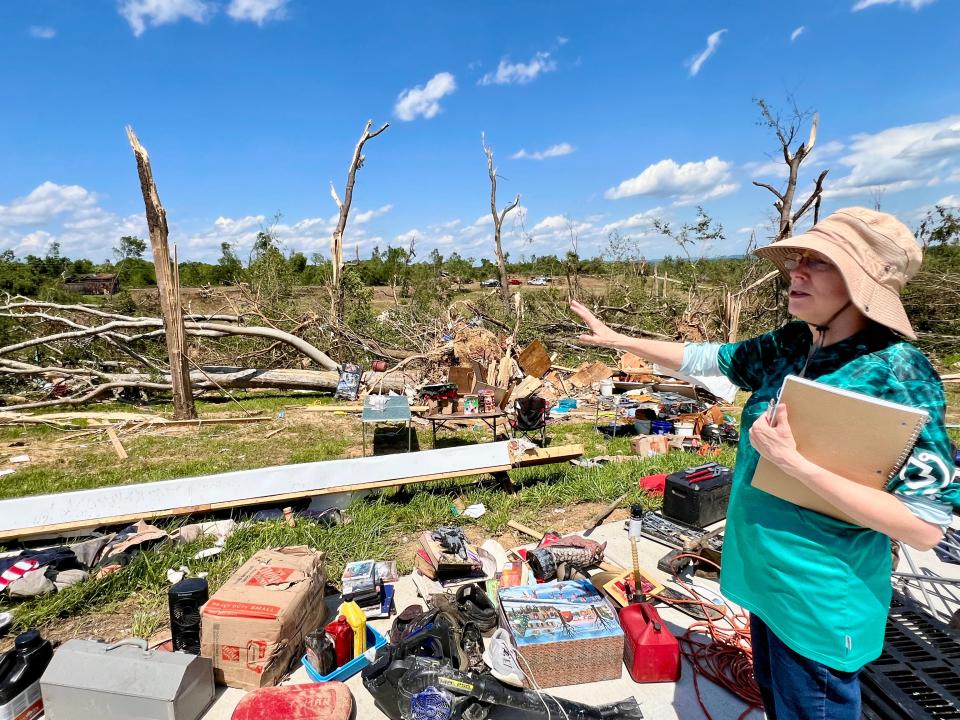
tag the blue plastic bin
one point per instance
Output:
(374, 640)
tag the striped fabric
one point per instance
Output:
(15, 572)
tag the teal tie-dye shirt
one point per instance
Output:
(823, 585)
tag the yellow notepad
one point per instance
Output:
(859, 437)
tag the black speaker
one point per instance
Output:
(186, 598)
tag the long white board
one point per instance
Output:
(88, 508)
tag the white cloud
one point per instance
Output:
(561, 40)
(257, 11)
(899, 158)
(912, 4)
(642, 220)
(364, 217)
(687, 183)
(424, 100)
(551, 152)
(71, 215)
(697, 61)
(508, 73)
(141, 13)
(797, 33)
(45, 203)
(551, 222)
(43, 32)
(66, 214)
(949, 201)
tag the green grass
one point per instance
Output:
(211, 449)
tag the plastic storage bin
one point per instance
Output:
(374, 641)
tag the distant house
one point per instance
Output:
(93, 284)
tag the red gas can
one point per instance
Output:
(650, 652)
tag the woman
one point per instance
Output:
(818, 589)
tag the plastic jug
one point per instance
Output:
(20, 671)
(358, 621)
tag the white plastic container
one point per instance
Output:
(683, 429)
(606, 388)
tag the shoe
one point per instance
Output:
(447, 603)
(473, 605)
(410, 614)
(471, 648)
(501, 657)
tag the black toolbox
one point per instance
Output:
(698, 496)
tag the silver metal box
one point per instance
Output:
(95, 681)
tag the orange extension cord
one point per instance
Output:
(727, 659)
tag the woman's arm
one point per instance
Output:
(662, 352)
(875, 509)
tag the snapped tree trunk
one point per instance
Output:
(168, 284)
(497, 223)
(336, 241)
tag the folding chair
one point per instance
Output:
(530, 417)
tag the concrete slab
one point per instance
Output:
(659, 701)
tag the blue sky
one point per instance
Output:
(601, 115)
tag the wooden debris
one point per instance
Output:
(526, 388)
(590, 373)
(524, 529)
(534, 359)
(274, 432)
(505, 367)
(634, 364)
(117, 445)
(463, 377)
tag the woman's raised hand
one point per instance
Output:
(599, 333)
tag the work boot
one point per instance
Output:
(471, 647)
(474, 606)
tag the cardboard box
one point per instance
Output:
(650, 445)
(254, 625)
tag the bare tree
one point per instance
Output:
(336, 242)
(573, 262)
(498, 222)
(786, 129)
(168, 284)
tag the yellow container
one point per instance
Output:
(358, 621)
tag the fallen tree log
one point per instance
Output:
(205, 378)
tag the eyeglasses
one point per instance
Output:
(813, 264)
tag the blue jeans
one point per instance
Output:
(796, 688)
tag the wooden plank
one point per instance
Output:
(590, 373)
(344, 408)
(463, 377)
(527, 387)
(117, 445)
(534, 359)
(81, 510)
(213, 421)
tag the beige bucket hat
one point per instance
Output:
(875, 253)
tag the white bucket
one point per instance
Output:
(683, 429)
(606, 388)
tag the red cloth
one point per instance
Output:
(314, 701)
(654, 484)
